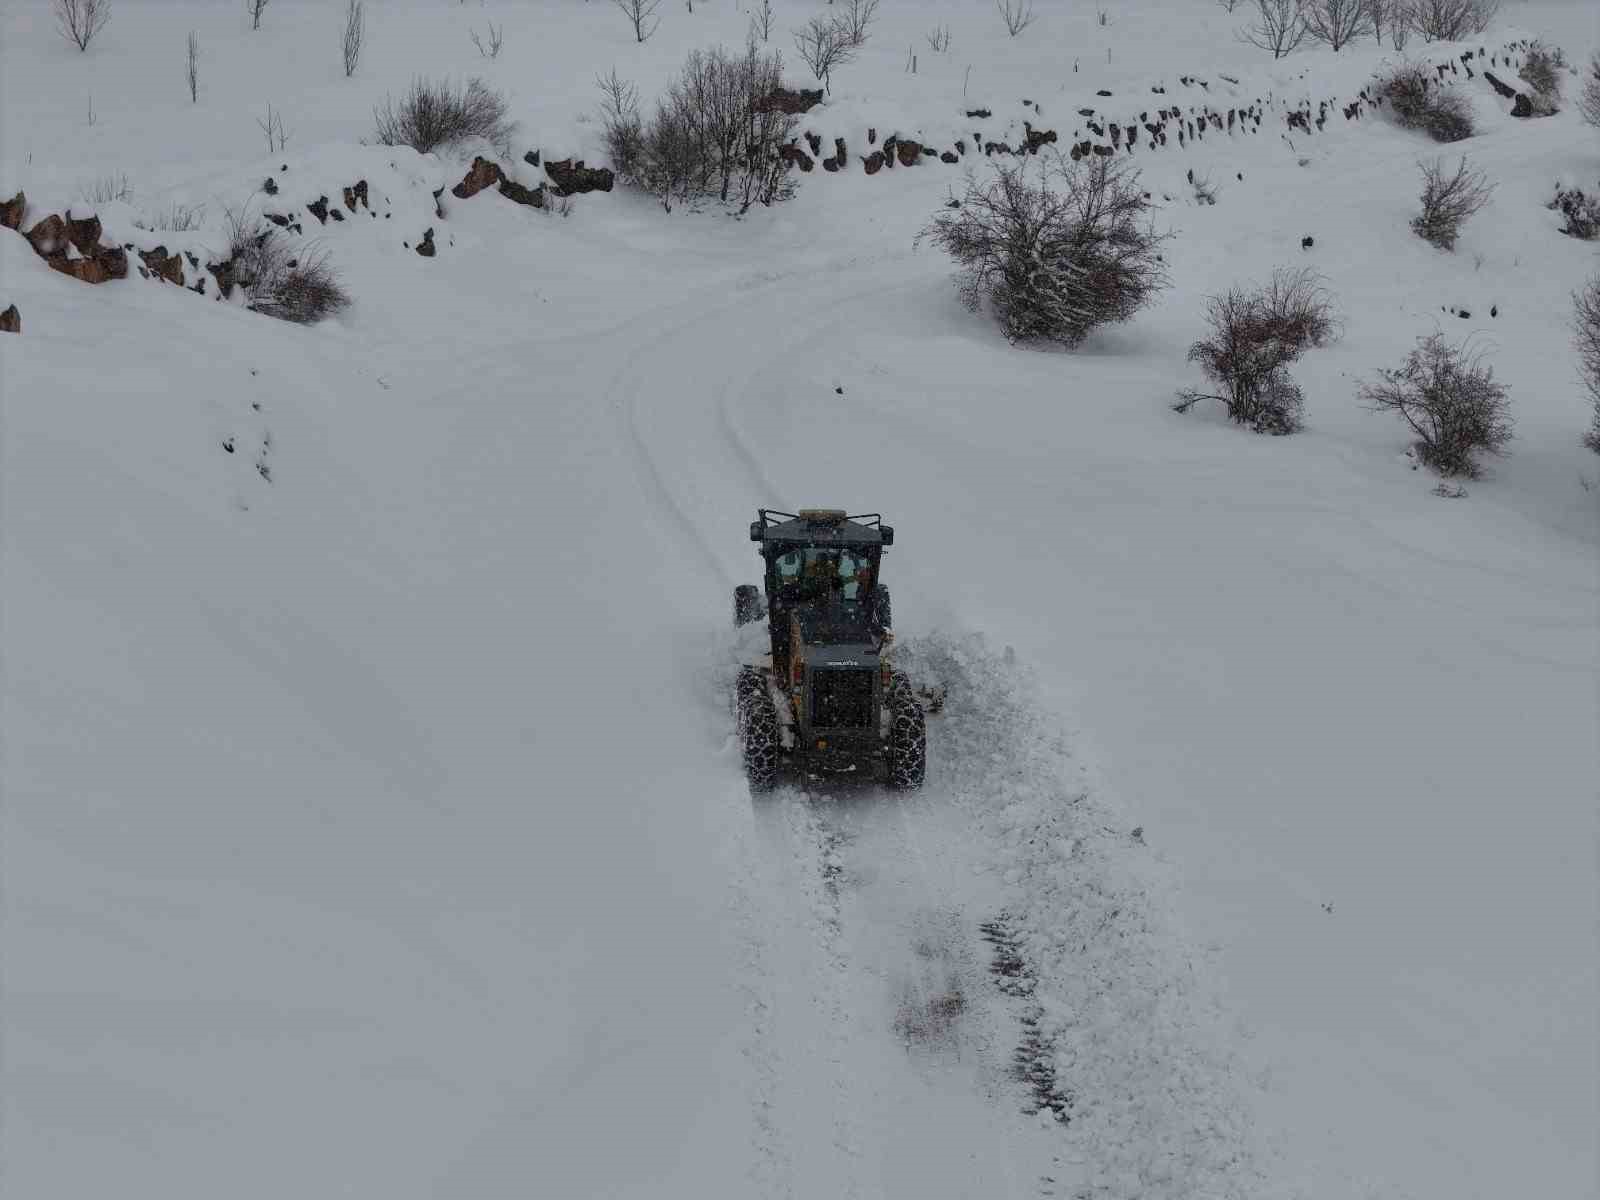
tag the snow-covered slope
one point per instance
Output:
(372, 823)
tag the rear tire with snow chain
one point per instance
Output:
(747, 604)
(758, 730)
(908, 736)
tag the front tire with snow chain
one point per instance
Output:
(747, 605)
(908, 737)
(758, 731)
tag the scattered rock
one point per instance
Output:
(318, 208)
(1505, 89)
(512, 190)
(1035, 138)
(1494, 310)
(980, 114)
(950, 156)
(872, 135)
(167, 267)
(438, 209)
(1307, 242)
(335, 214)
(11, 212)
(270, 187)
(54, 240)
(482, 174)
(907, 152)
(873, 163)
(531, 158)
(786, 100)
(1522, 107)
(815, 142)
(11, 319)
(356, 194)
(830, 165)
(425, 247)
(794, 156)
(1102, 92)
(573, 178)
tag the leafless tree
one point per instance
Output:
(80, 20)
(496, 40)
(272, 127)
(355, 34)
(1448, 200)
(824, 45)
(641, 15)
(762, 20)
(1017, 14)
(856, 19)
(1337, 22)
(1401, 20)
(1057, 256)
(192, 68)
(1586, 339)
(1589, 101)
(1279, 26)
(255, 8)
(1255, 335)
(1450, 400)
(1451, 20)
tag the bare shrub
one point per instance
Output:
(489, 49)
(824, 45)
(1058, 257)
(80, 20)
(1017, 14)
(355, 35)
(1581, 210)
(1450, 400)
(1589, 99)
(104, 189)
(1228, 5)
(434, 113)
(856, 20)
(1448, 200)
(255, 8)
(641, 15)
(276, 279)
(929, 1017)
(272, 128)
(1205, 192)
(176, 218)
(1451, 20)
(1542, 70)
(192, 68)
(1255, 335)
(1337, 22)
(1279, 26)
(939, 39)
(1586, 340)
(1420, 101)
(711, 137)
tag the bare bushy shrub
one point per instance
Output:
(641, 15)
(1450, 400)
(1542, 70)
(434, 113)
(1448, 200)
(1419, 101)
(491, 46)
(1581, 210)
(1589, 99)
(1279, 26)
(80, 20)
(255, 8)
(1255, 335)
(192, 68)
(278, 280)
(103, 189)
(712, 136)
(354, 36)
(823, 45)
(1451, 20)
(176, 218)
(1586, 340)
(1337, 22)
(1055, 257)
(1017, 14)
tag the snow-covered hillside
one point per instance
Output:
(373, 823)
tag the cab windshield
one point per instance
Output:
(818, 572)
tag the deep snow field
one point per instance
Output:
(373, 822)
